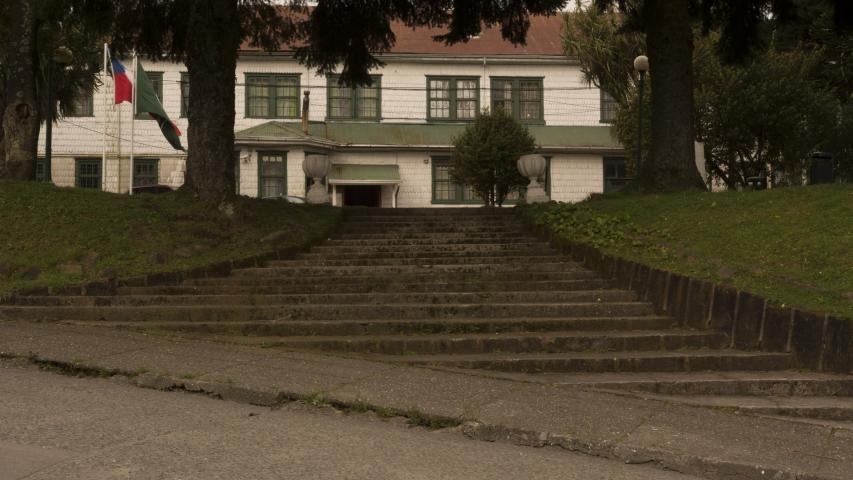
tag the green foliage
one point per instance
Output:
(790, 245)
(767, 116)
(579, 222)
(486, 155)
(744, 113)
(50, 228)
(605, 50)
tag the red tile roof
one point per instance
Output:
(543, 38)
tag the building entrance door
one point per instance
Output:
(363, 196)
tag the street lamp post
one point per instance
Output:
(641, 65)
(61, 56)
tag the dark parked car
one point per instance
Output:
(152, 189)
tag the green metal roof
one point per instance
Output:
(364, 173)
(271, 129)
(423, 134)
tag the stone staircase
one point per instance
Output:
(455, 288)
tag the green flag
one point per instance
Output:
(147, 102)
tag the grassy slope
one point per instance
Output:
(792, 245)
(47, 227)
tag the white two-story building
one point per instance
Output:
(389, 144)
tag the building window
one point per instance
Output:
(81, 105)
(272, 174)
(87, 173)
(360, 103)
(444, 189)
(185, 94)
(520, 97)
(453, 98)
(146, 171)
(272, 96)
(41, 169)
(609, 107)
(156, 79)
(615, 174)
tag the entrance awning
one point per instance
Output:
(341, 174)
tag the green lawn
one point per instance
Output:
(62, 236)
(792, 245)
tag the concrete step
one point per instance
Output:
(392, 229)
(682, 361)
(831, 408)
(528, 342)
(525, 260)
(425, 226)
(440, 237)
(517, 254)
(370, 276)
(424, 240)
(447, 212)
(519, 270)
(362, 288)
(378, 299)
(425, 250)
(261, 329)
(777, 384)
(212, 313)
(487, 219)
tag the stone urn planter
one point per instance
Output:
(316, 167)
(533, 167)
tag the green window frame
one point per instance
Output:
(453, 99)
(41, 169)
(272, 95)
(146, 171)
(444, 189)
(608, 106)
(185, 94)
(272, 174)
(521, 97)
(615, 170)
(87, 173)
(157, 82)
(82, 104)
(359, 103)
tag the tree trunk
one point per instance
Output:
(671, 164)
(21, 115)
(212, 43)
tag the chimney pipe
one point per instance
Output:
(305, 102)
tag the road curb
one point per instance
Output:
(705, 467)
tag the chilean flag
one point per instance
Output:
(124, 89)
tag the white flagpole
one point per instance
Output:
(132, 123)
(106, 120)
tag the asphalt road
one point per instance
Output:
(59, 427)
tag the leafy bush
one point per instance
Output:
(486, 153)
(580, 223)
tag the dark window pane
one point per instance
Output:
(615, 173)
(609, 107)
(146, 172)
(185, 94)
(273, 175)
(272, 96)
(88, 173)
(81, 105)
